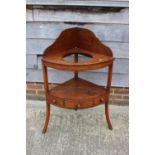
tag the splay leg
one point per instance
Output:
(107, 115)
(47, 116)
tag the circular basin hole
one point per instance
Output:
(80, 56)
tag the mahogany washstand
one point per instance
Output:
(77, 93)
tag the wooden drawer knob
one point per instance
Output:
(53, 101)
(64, 102)
(78, 105)
(102, 99)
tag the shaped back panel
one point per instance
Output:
(81, 38)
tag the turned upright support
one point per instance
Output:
(76, 60)
(45, 78)
(109, 77)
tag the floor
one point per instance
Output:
(81, 132)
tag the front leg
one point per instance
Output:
(108, 93)
(107, 115)
(47, 115)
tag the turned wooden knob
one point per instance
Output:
(53, 101)
(102, 99)
(63, 102)
(78, 105)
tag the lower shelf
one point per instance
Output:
(77, 94)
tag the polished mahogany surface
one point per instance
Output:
(77, 93)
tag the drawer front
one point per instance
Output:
(71, 104)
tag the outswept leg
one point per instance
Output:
(47, 116)
(107, 115)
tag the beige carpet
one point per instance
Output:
(82, 132)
